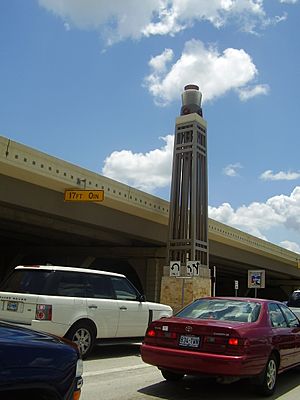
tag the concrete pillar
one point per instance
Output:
(154, 274)
(150, 272)
(140, 267)
(180, 291)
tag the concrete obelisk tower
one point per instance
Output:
(188, 221)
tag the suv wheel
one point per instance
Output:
(83, 334)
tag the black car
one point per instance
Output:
(294, 299)
(36, 365)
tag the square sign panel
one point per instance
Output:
(256, 279)
(174, 268)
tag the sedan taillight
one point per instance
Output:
(233, 341)
(151, 333)
(43, 312)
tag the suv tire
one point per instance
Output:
(83, 334)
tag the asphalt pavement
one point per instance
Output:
(118, 373)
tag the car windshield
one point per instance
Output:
(222, 309)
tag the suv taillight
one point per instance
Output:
(43, 312)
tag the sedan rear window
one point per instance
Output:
(222, 309)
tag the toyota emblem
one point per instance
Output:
(188, 328)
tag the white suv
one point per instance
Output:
(80, 304)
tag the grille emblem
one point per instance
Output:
(188, 328)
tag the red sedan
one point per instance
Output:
(228, 338)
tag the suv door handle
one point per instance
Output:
(92, 306)
(123, 308)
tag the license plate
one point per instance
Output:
(189, 341)
(12, 306)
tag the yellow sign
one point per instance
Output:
(83, 195)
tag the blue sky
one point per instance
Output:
(98, 84)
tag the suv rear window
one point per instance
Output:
(30, 281)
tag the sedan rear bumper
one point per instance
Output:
(197, 363)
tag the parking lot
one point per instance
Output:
(117, 372)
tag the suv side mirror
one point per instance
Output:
(141, 298)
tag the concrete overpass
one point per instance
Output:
(127, 232)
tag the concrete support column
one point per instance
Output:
(140, 267)
(154, 275)
(177, 292)
(150, 272)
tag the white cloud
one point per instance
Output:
(183, 13)
(288, 207)
(248, 92)
(67, 26)
(288, 1)
(254, 219)
(117, 19)
(213, 72)
(232, 169)
(145, 171)
(279, 176)
(290, 246)
(257, 218)
(120, 19)
(159, 63)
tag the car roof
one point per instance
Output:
(67, 269)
